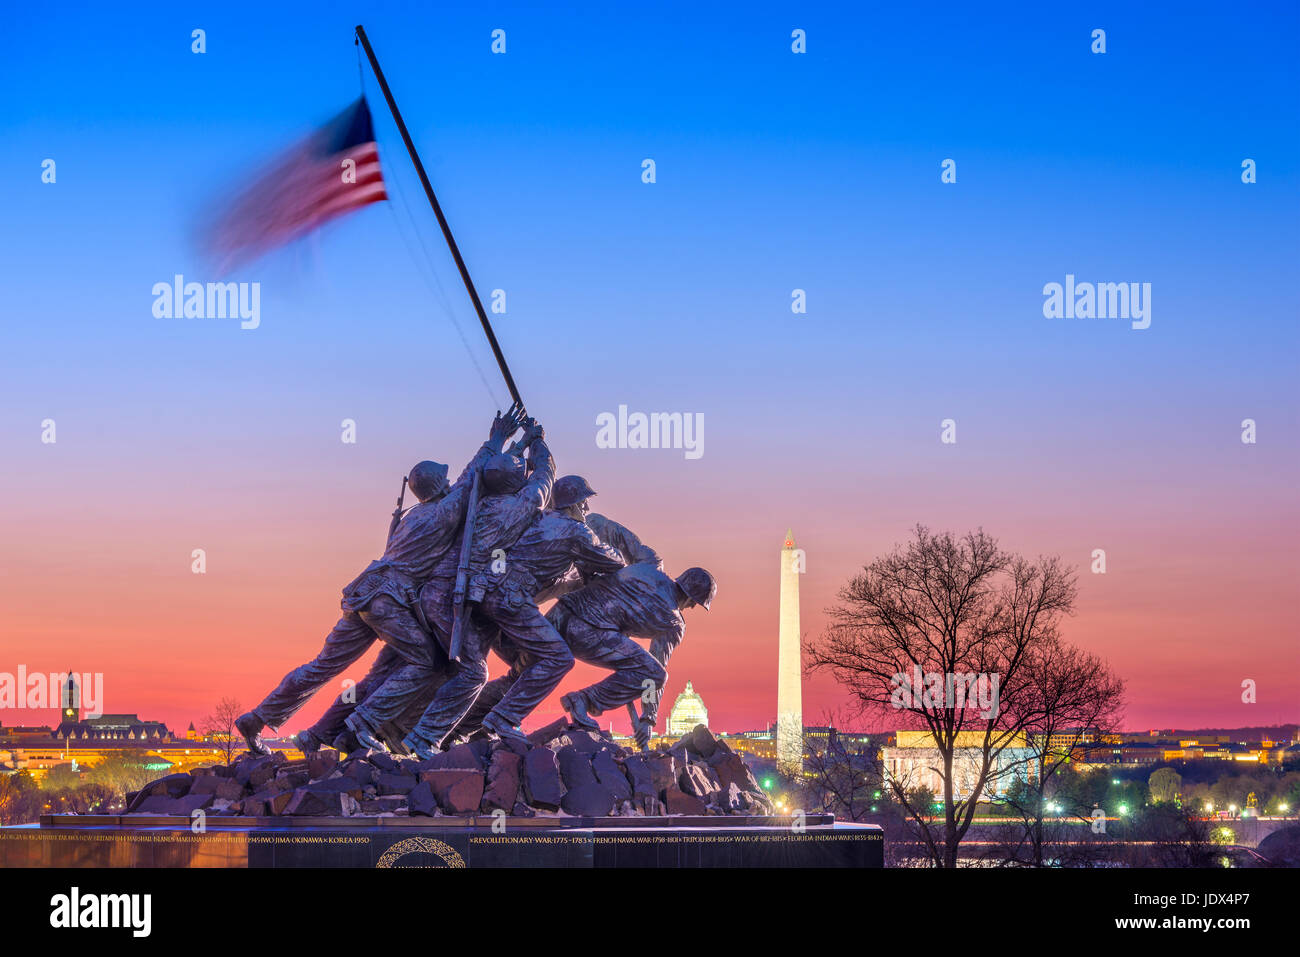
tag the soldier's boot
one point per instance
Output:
(250, 726)
(365, 735)
(504, 730)
(307, 742)
(419, 746)
(576, 704)
(345, 742)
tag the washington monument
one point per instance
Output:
(789, 694)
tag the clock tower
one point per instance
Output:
(70, 700)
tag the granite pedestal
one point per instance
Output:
(660, 842)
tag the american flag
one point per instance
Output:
(332, 172)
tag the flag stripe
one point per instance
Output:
(327, 176)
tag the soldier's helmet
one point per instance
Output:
(699, 586)
(427, 480)
(570, 490)
(503, 474)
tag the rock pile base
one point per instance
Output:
(564, 772)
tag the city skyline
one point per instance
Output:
(776, 173)
(880, 726)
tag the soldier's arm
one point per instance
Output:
(538, 487)
(664, 644)
(517, 512)
(594, 557)
(661, 648)
(621, 537)
(571, 581)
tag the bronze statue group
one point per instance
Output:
(464, 574)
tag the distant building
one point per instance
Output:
(688, 711)
(914, 762)
(827, 738)
(820, 737)
(85, 742)
(113, 727)
(759, 744)
(1141, 754)
(1067, 739)
(18, 734)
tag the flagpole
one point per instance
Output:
(442, 220)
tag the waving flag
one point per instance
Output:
(333, 172)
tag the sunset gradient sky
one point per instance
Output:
(775, 171)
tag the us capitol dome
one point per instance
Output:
(688, 711)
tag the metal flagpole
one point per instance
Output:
(442, 220)
(458, 593)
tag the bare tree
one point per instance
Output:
(1165, 835)
(839, 779)
(847, 781)
(220, 728)
(957, 608)
(1071, 698)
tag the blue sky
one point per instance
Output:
(775, 171)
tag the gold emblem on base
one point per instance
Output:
(420, 845)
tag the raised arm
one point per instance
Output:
(503, 426)
(537, 489)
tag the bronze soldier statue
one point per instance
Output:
(379, 602)
(511, 503)
(331, 727)
(598, 622)
(508, 590)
